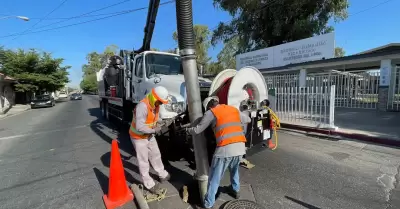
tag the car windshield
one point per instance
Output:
(42, 97)
(163, 64)
(75, 95)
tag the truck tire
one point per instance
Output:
(103, 109)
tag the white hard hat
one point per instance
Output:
(161, 94)
(208, 99)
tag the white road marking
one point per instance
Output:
(42, 132)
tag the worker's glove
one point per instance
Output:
(157, 130)
(189, 130)
(168, 122)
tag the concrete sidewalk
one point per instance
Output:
(361, 124)
(16, 109)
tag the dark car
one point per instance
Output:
(42, 101)
(76, 96)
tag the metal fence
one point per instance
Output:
(356, 89)
(307, 106)
(394, 93)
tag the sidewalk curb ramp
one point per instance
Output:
(361, 137)
(118, 191)
(8, 114)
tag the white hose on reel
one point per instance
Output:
(231, 85)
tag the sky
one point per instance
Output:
(371, 24)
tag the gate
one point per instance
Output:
(307, 106)
(394, 93)
(356, 89)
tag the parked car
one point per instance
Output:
(76, 96)
(63, 95)
(42, 101)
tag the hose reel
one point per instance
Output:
(245, 87)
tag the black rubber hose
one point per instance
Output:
(184, 19)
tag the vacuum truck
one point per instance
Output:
(129, 76)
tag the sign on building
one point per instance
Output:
(305, 50)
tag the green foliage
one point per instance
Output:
(95, 62)
(202, 42)
(227, 56)
(35, 72)
(89, 83)
(259, 24)
(214, 68)
(339, 52)
(168, 50)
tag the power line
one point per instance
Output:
(84, 14)
(29, 29)
(265, 6)
(373, 7)
(93, 20)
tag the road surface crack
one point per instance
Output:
(396, 183)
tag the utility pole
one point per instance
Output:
(187, 51)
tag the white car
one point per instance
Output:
(63, 95)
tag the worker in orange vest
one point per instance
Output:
(227, 122)
(142, 131)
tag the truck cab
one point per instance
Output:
(151, 68)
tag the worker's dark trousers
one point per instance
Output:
(217, 170)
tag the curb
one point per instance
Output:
(361, 137)
(6, 115)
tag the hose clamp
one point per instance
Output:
(186, 52)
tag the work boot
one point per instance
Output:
(167, 178)
(154, 189)
(202, 207)
(235, 194)
(270, 144)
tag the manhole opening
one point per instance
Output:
(240, 204)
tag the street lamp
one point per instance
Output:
(19, 17)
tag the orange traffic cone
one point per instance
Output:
(118, 191)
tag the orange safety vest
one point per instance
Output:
(151, 121)
(229, 128)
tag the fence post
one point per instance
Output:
(332, 108)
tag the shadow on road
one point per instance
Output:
(61, 100)
(179, 177)
(103, 180)
(306, 205)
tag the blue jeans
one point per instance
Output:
(217, 170)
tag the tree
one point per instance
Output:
(259, 24)
(202, 42)
(89, 83)
(35, 72)
(214, 68)
(95, 62)
(227, 56)
(173, 51)
(339, 52)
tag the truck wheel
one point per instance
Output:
(102, 109)
(105, 111)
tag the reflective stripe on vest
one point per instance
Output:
(150, 122)
(229, 128)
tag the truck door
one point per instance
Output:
(137, 78)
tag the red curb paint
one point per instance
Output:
(361, 137)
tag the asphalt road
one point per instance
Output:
(58, 158)
(54, 157)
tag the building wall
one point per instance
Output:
(7, 96)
